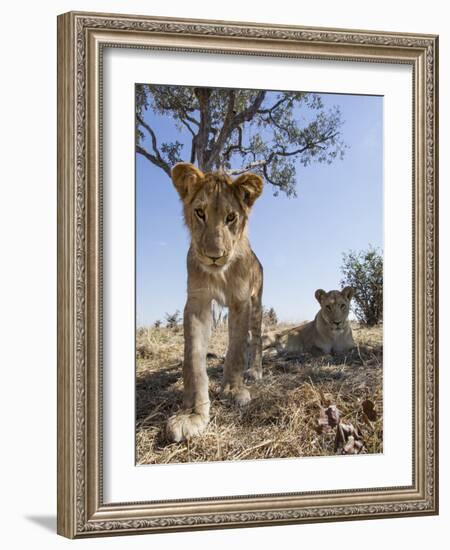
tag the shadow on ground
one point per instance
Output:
(46, 522)
(281, 419)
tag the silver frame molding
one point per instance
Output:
(81, 39)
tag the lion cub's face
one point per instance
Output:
(216, 211)
(335, 306)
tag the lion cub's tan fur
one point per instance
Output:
(329, 332)
(221, 266)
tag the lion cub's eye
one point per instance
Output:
(342, 306)
(329, 308)
(199, 212)
(230, 218)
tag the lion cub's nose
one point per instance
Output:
(215, 258)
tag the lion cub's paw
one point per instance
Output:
(240, 395)
(183, 426)
(253, 374)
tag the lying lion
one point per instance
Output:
(330, 332)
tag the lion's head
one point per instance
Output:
(216, 210)
(335, 306)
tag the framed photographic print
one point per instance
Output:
(247, 276)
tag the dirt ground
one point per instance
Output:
(303, 406)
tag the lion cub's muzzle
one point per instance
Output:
(215, 261)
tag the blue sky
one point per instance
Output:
(299, 240)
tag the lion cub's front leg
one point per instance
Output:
(254, 371)
(236, 359)
(193, 420)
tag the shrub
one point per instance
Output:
(363, 270)
(270, 316)
(173, 320)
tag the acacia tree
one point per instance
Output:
(270, 133)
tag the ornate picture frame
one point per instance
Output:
(82, 38)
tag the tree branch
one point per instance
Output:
(152, 134)
(201, 139)
(276, 124)
(187, 126)
(193, 150)
(236, 146)
(274, 106)
(267, 177)
(157, 161)
(263, 163)
(181, 107)
(256, 164)
(233, 121)
(155, 158)
(225, 131)
(250, 112)
(309, 145)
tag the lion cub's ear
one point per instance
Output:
(319, 294)
(250, 187)
(348, 292)
(187, 178)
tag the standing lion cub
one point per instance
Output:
(330, 332)
(221, 266)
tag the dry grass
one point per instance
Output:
(282, 418)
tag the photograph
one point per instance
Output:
(227, 237)
(247, 274)
(259, 274)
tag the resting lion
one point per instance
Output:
(221, 266)
(330, 332)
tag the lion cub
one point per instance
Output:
(330, 332)
(221, 266)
